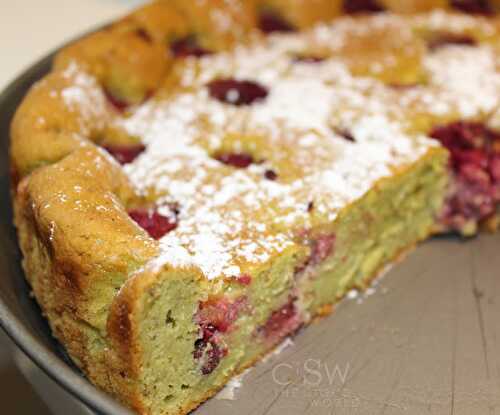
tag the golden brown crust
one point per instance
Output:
(44, 129)
(77, 250)
(73, 247)
(84, 227)
(122, 331)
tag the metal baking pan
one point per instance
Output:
(424, 340)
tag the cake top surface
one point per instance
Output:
(255, 145)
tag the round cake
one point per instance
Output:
(199, 180)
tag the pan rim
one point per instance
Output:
(46, 359)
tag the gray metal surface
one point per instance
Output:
(425, 342)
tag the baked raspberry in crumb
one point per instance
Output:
(362, 6)
(209, 352)
(472, 6)
(154, 223)
(215, 316)
(270, 174)
(118, 104)
(475, 155)
(220, 313)
(244, 279)
(188, 46)
(238, 160)
(125, 154)
(232, 91)
(321, 248)
(270, 22)
(441, 40)
(282, 322)
(308, 59)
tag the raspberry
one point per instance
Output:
(322, 248)
(446, 39)
(118, 104)
(188, 46)
(472, 6)
(213, 358)
(214, 316)
(238, 160)
(219, 313)
(270, 22)
(476, 164)
(494, 168)
(476, 157)
(155, 224)
(463, 134)
(244, 279)
(231, 91)
(474, 175)
(125, 154)
(281, 322)
(270, 175)
(362, 6)
(308, 59)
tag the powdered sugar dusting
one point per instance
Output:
(469, 74)
(84, 96)
(233, 218)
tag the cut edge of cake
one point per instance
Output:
(168, 323)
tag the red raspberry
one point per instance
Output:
(282, 322)
(494, 168)
(362, 6)
(231, 91)
(118, 104)
(270, 22)
(215, 316)
(220, 313)
(125, 154)
(188, 46)
(446, 39)
(238, 160)
(155, 224)
(322, 248)
(472, 6)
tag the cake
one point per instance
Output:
(199, 180)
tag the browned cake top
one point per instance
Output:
(237, 153)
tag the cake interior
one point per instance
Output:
(195, 335)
